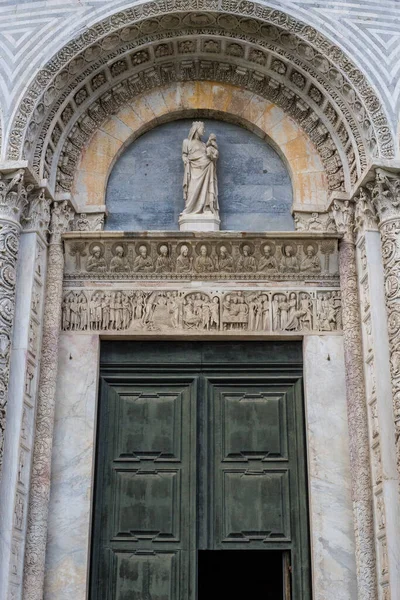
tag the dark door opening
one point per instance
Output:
(241, 574)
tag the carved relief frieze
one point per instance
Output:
(202, 311)
(205, 258)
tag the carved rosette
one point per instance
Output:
(13, 199)
(40, 484)
(386, 200)
(343, 213)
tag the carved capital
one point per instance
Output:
(343, 215)
(385, 195)
(36, 213)
(13, 196)
(365, 217)
(61, 216)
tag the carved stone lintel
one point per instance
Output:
(41, 469)
(202, 311)
(202, 255)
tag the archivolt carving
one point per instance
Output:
(231, 257)
(199, 311)
(263, 42)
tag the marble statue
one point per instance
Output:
(200, 188)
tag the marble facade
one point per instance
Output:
(332, 280)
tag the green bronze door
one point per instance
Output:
(200, 447)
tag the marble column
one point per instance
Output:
(386, 200)
(378, 389)
(13, 199)
(41, 469)
(24, 367)
(343, 214)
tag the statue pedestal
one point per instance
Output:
(201, 222)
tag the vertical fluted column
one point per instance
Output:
(356, 406)
(13, 199)
(41, 470)
(386, 200)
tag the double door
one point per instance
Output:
(200, 466)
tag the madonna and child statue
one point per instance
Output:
(200, 186)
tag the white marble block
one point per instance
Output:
(201, 222)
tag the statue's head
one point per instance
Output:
(222, 251)
(119, 251)
(246, 250)
(163, 250)
(267, 250)
(197, 130)
(310, 251)
(96, 252)
(184, 250)
(143, 251)
(203, 250)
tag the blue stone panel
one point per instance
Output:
(144, 191)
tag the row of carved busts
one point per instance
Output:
(202, 257)
(236, 310)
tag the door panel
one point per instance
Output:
(145, 496)
(194, 453)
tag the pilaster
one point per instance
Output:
(378, 391)
(61, 217)
(13, 199)
(343, 214)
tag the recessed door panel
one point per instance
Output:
(144, 526)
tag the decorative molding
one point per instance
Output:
(314, 221)
(385, 195)
(343, 214)
(201, 256)
(13, 196)
(72, 136)
(13, 199)
(339, 91)
(35, 550)
(88, 222)
(202, 311)
(62, 215)
(365, 218)
(36, 214)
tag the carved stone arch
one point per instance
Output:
(243, 43)
(201, 100)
